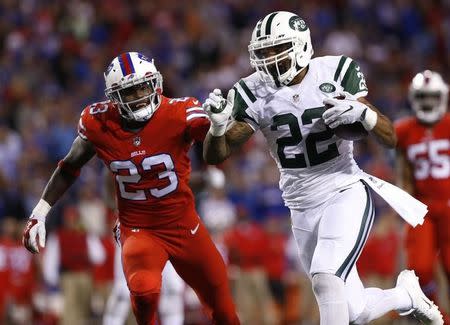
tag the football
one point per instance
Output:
(351, 132)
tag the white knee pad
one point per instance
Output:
(328, 288)
(330, 295)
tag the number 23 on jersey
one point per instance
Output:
(134, 177)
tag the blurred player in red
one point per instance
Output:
(143, 138)
(424, 164)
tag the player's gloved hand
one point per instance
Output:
(219, 111)
(36, 227)
(348, 111)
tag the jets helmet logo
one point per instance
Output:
(297, 23)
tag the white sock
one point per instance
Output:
(330, 295)
(380, 302)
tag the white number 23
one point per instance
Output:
(134, 177)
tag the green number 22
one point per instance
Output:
(314, 157)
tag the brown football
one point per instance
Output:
(351, 132)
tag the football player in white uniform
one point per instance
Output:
(297, 102)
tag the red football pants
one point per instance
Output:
(194, 256)
(429, 241)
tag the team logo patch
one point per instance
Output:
(326, 87)
(137, 141)
(297, 23)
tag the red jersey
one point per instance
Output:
(247, 245)
(151, 166)
(22, 273)
(428, 151)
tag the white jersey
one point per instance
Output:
(314, 163)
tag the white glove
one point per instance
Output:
(219, 111)
(343, 111)
(36, 227)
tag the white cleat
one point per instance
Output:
(423, 308)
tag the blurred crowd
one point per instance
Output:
(52, 60)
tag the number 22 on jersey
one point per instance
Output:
(314, 157)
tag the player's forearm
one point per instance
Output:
(215, 149)
(383, 131)
(57, 186)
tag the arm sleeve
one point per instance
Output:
(51, 261)
(349, 75)
(197, 121)
(244, 105)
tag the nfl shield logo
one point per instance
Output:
(296, 98)
(137, 141)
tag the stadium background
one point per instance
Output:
(52, 59)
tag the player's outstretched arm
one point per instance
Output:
(221, 140)
(68, 170)
(218, 148)
(383, 130)
(63, 177)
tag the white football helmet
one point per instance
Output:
(428, 95)
(126, 74)
(289, 37)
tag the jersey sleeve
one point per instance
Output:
(82, 129)
(349, 75)
(91, 118)
(244, 108)
(197, 120)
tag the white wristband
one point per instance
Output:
(370, 119)
(41, 210)
(217, 130)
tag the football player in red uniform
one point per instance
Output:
(423, 157)
(143, 138)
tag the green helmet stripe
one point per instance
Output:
(339, 68)
(258, 28)
(269, 23)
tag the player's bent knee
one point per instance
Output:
(327, 287)
(362, 319)
(144, 282)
